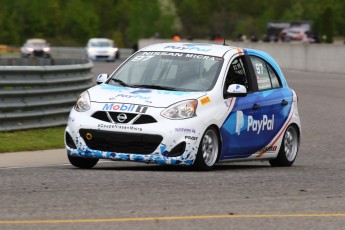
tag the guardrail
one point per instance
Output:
(79, 52)
(36, 93)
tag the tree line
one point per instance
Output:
(73, 22)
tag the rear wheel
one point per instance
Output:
(83, 163)
(288, 149)
(208, 150)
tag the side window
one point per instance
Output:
(265, 75)
(237, 74)
(274, 79)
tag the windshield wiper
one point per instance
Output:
(155, 87)
(120, 82)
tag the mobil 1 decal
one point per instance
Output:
(124, 108)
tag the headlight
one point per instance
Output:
(91, 51)
(83, 103)
(46, 49)
(181, 110)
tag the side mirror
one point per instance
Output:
(102, 78)
(236, 90)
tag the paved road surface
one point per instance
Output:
(40, 190)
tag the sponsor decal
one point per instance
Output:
(254, 125)
(163, 54)
(191, 138)
(185, 130)
(239, 122)
(191, 47)
(148, 55)
(268, 149)
(124, 108)
(199, 56)
(205, 100)
(139, 91)
(117, 126)
(260, 125)
(136, 96)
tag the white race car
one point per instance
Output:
(187, 104)
(101, 49)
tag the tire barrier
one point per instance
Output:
(38, 92)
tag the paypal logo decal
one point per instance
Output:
(195, 47)
(254, 125)
(239, 122)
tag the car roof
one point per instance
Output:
(36, 40)
(195, 48)
(99, 39)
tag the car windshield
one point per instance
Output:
(38, 44)
(169, 71)
(101, 44)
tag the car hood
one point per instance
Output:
(105, 93)
(101, 48)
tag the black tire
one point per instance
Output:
(83, 163)
(208, 151)
(288, 149)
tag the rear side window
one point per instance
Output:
(265, 75)
(273, 76)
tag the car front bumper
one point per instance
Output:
(102, 56)
(173, 142)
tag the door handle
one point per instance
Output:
(256, 107)
(284, 102)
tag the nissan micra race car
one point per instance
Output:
(187, 104)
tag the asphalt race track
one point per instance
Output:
(250, 195)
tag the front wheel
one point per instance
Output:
(83, 163)
(208, 150)
(288, 149)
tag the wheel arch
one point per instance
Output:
(220, 141)
(298, 132)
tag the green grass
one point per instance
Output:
(29, 140)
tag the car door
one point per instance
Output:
(256, 118)
(273, 104)
(236, 141)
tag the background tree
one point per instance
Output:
(73, 22)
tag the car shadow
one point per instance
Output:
(171, 168)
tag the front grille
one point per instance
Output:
(142, 119)
(38, 52)
(120, 142)
(145, 119)
(102, 56)
(114, 116)
(101, 115)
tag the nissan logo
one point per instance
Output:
(121, 117)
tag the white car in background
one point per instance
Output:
(101, 49)
(35, 47)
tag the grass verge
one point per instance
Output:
(29, 140)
